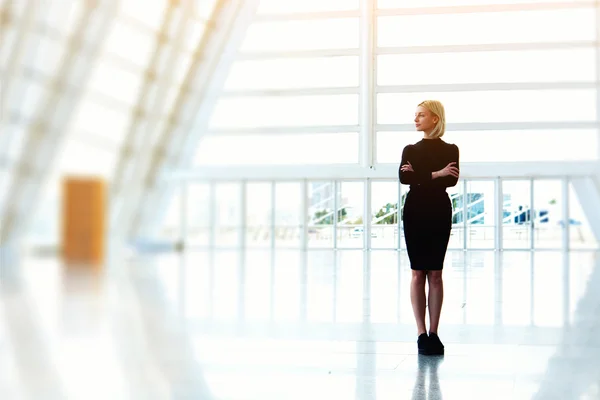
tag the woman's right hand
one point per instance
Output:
(450, 169)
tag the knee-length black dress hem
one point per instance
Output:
(427, 211)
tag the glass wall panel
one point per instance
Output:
(296, 73)
(384, 214)
(269, 111)
(481, 216)
(171, 230)
(227, 214)
(487, 28)
(198, 214)
(259, 211)
(321, 214)
(516, 223)
(383, 4)
(295, 6)
(278, 149)
(493, 106)
(288, 214)
(508, 145)
(341, 33)
(350, 228)
(548, 214)
(543, 65)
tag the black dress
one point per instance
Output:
(427, 213)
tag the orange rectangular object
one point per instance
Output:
(84, 212)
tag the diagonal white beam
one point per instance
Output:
(150, 101)
(192, 110)
(588, 194)
(21, 51)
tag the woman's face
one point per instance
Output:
(425, 120)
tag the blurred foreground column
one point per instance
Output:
(83, 220)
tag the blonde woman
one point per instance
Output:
(429, 167)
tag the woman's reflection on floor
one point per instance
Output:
(428, 370)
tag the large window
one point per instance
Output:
(259, 214)
(310, 84)
(351, 215)
(553, 65)
(516, 214)
(294, 6)
(384, 214)
(443, 3)
(341, 33)
(481, 220)
(548, 219)
(322, 216)
(279, 149)
(323, 72)
(508, 145)
(198, 218)
(488, 28)
(288, 214)
(494, 106)
(227, 215)
(245, 112)
(527, 214)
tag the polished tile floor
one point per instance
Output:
(293, 325)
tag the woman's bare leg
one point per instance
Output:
(436, 299)
(417, 297)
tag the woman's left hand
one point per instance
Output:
(407, 168)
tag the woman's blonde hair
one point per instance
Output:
(436, 108)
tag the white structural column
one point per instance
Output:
(189, 119)
(587, 189)
(368, 30)
(566, 234)
(499, 214)
(336, 207)
(51, 119)
(465, 212)
(367, 218)
(532, 212)
(596, 175)
(598, 86)
(305, 216)
(399, 226)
